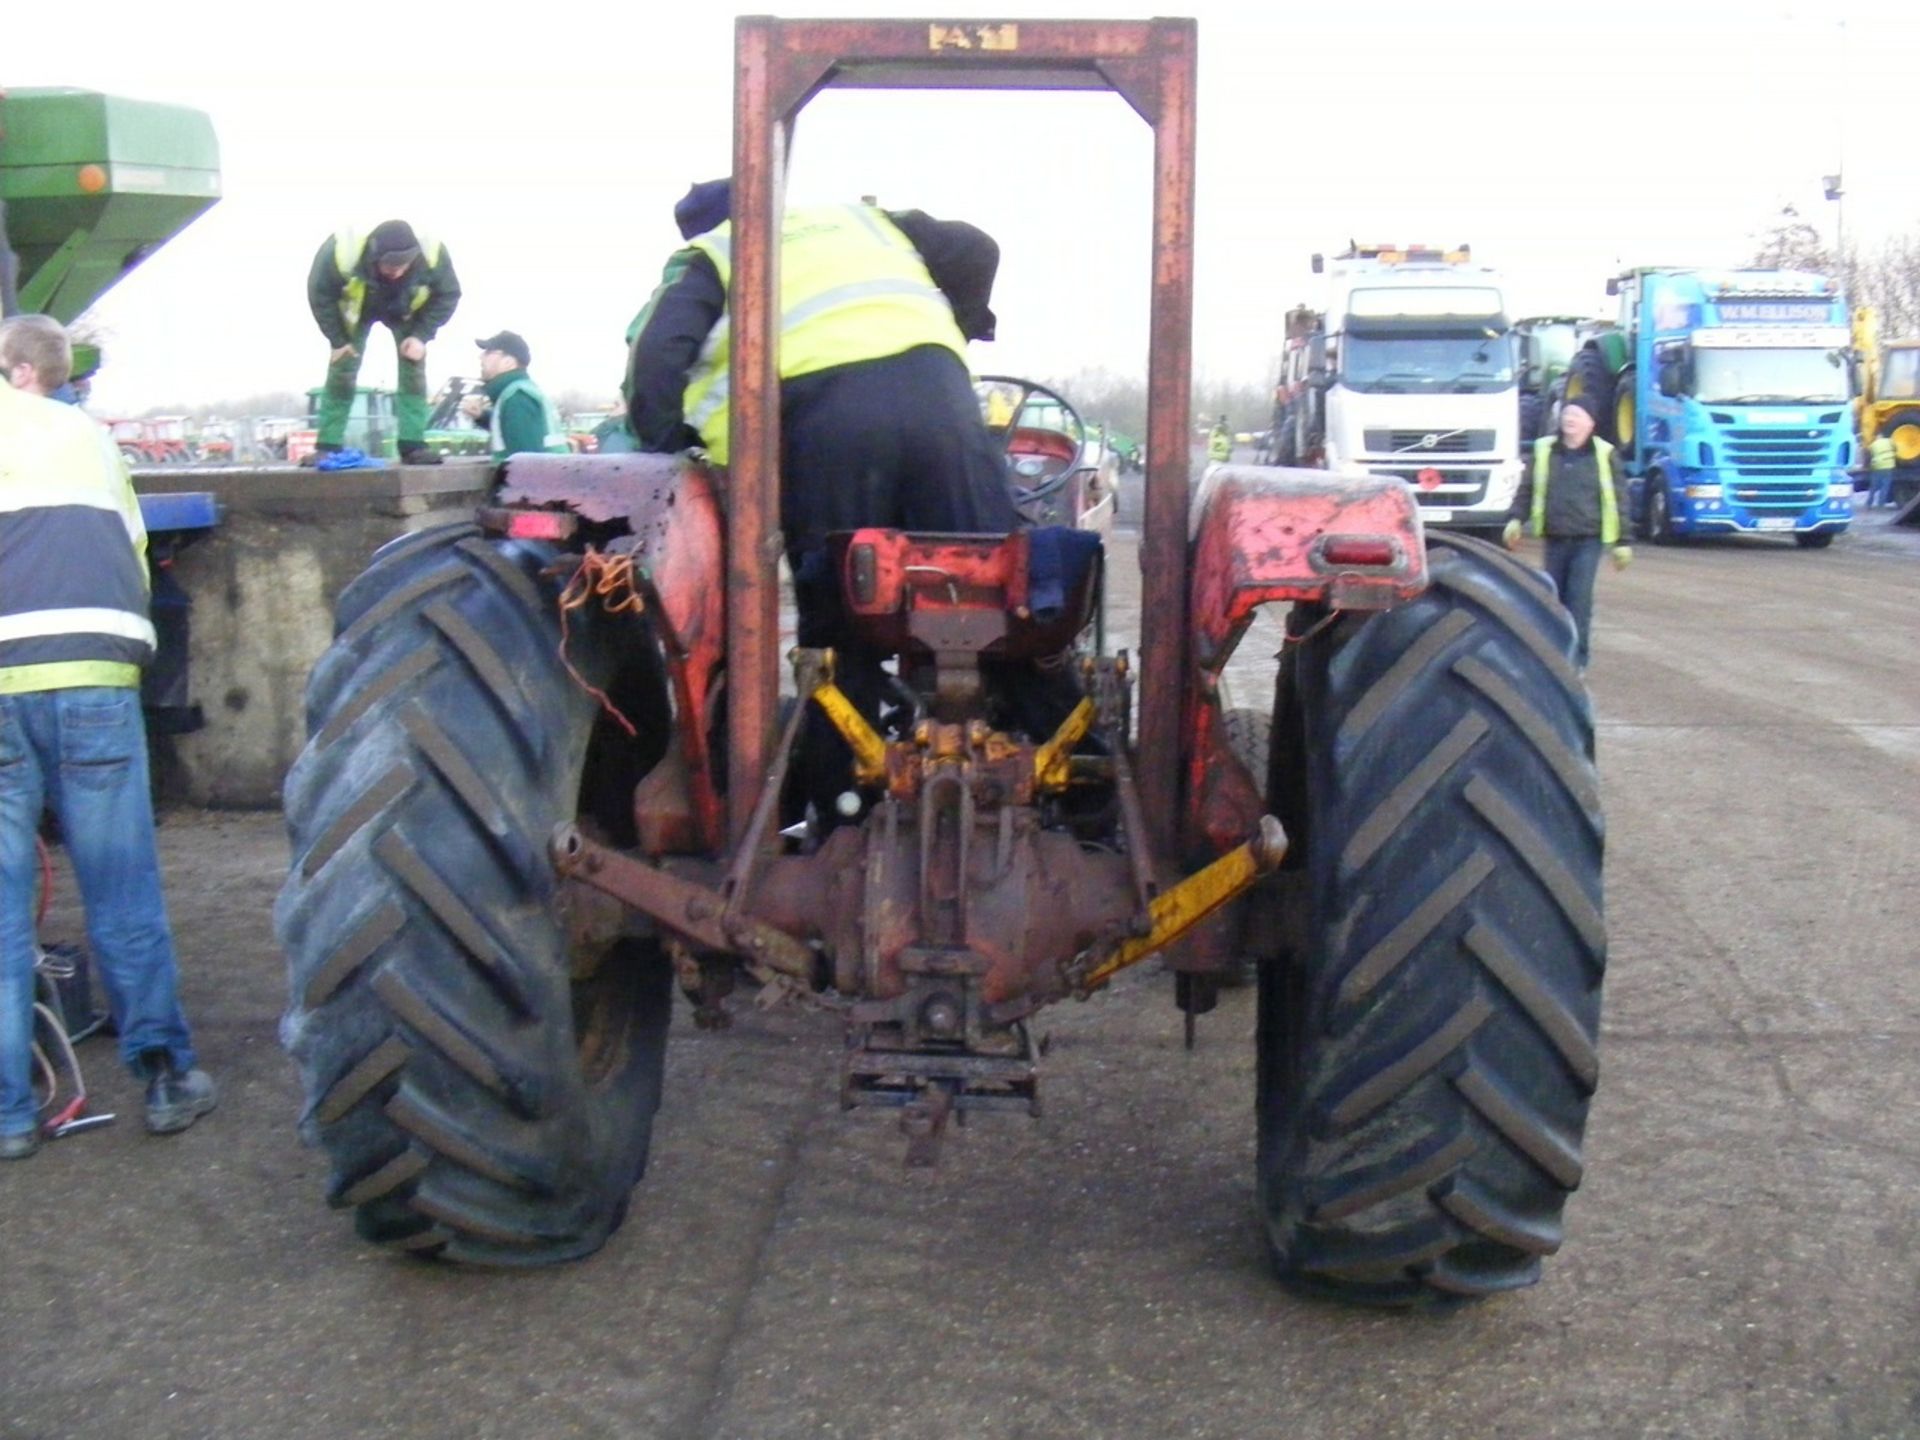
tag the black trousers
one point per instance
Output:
(897, 442)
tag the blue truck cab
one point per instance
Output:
(1733, 410)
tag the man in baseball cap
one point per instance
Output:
(518, 414)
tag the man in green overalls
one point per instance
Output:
(519, 415)
(390, 277)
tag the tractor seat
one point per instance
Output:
(1014, 597)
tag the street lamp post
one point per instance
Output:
(1837, 194)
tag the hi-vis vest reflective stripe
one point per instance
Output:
(73, 579)
(1603, 462)
(348, 247)
(1220, 444)
(555, 441)
(852, 288)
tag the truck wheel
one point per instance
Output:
(1250, 737)
(1591, 383)
(481, 1067)
(1427, 1029)
(1659, 511)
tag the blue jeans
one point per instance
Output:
(1572, 565)
(84, 753)
(1880, 488)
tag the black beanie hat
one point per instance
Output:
(393, 240)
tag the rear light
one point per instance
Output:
(556, 525)
(541, 525)
(1357, 552)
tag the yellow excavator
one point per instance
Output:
(1887, 378)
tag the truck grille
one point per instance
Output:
(1456, 487)
(1786, 453)
(1466, 442)
(1785, 498)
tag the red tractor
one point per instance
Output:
(548, 778)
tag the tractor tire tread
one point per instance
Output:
(1424, 1076)
(432, 1008)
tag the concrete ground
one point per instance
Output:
(1744, 1259)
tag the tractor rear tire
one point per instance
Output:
(1624, 421)
(1533, 411)
(483, 1085)
(1590, 382)
(1427, 1038)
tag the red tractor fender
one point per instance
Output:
(671, 510)
(1261, 535)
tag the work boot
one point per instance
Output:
(317, 454)
(419, 455)
(174, 1100)
(19, 1147)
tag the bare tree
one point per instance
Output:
(1791, 243)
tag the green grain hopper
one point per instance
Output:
(94, 184)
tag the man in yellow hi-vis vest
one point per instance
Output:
(1882, 461)
(74, 634)
(879, 423)
(389, 277)
(1573, 494)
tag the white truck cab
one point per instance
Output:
(1419, 379)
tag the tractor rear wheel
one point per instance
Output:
(1590, 382)
(1427, 1032)
(481, 1065)
(1533, 411)
(1624, 417)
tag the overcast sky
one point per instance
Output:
(547, 143)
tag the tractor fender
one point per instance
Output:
(1261, 534)
(676, 536)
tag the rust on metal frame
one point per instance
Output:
(779, 66)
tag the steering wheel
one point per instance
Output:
(1042, 436)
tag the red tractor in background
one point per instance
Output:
(548, 778)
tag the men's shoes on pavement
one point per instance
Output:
(419, 455)
(19, 1147)
(174, 1099)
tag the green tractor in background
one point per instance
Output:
(1546, 345)
(93, 184)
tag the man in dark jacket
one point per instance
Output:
(1573, 495)
(391, 277)
(517, 412)
(879, 423)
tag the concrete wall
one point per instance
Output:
(263, 587)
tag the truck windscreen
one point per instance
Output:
(1426, 362)
(1751, 376)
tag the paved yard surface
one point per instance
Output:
(1744, 1259)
